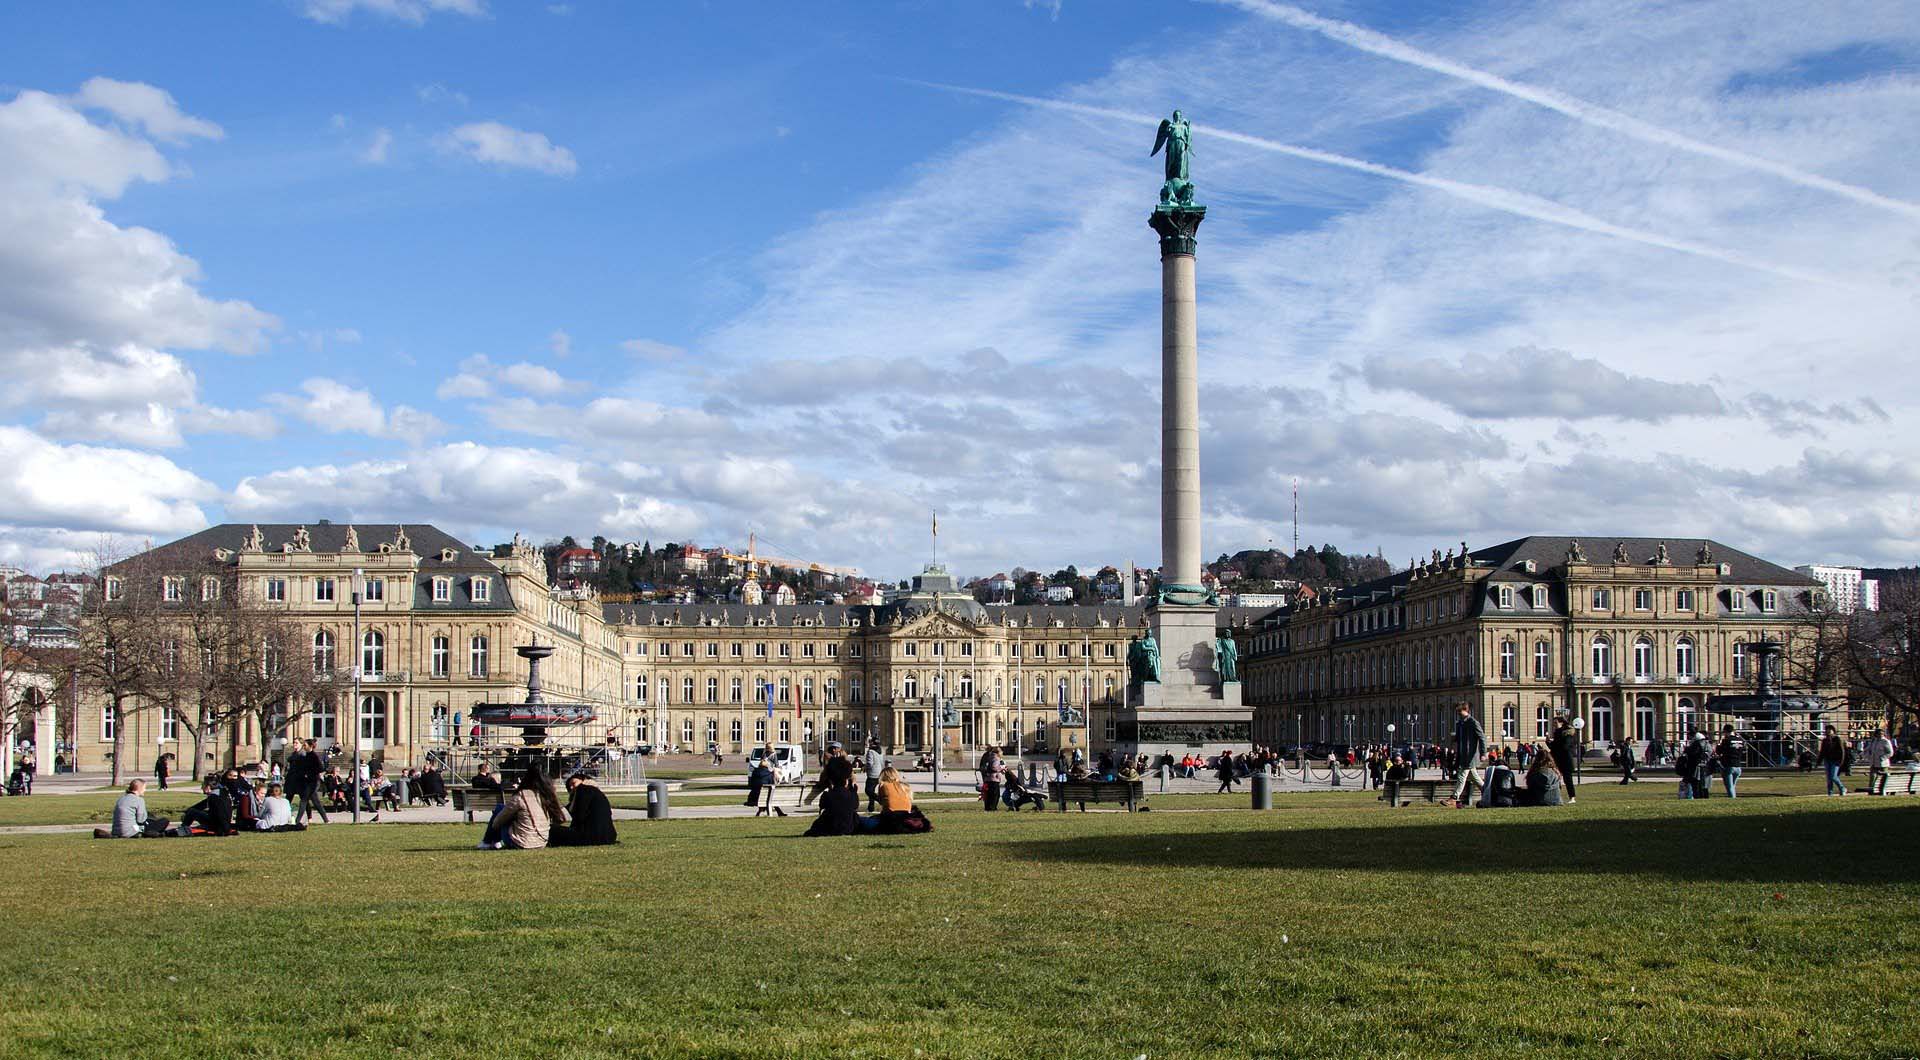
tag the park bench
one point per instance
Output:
(1128, 793)
(466, 800)
(1900, 780)
(1398, 790)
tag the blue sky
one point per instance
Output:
(686, 270)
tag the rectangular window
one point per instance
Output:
(713, 649)
(1737, 600)
(733, 650)
(323, 590)
(806, 651)
(686, 650)
(442, 590)
(442, 654)
(786, 650)
(1769, 601)
(170, 590)
(209, 589)
(833, 651)
(939, 648)
(1602, 599)
(1086, 649)
(760, 650)
(1643, 599)
(1683, 600)
(1506, 596)
(966, 650)
(1065, 650)
(482, 590)
(760, 730)
(1107, 650)
(640, 688)
(1539, 596)
(106, 723)
(640, 647)
(276, 590)
(477, 657)
(853, 651)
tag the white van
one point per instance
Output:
(789, 762)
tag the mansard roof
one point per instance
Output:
(870, 616)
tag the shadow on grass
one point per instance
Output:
(1861, 847)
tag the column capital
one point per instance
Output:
(1177, 226)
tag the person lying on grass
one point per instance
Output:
(525, 819)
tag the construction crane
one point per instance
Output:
(755, 562)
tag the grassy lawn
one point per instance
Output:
(1630, 924)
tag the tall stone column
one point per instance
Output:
(1180, 398)
(1186, 705)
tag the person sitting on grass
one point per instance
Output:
(1543, 784)
(592, 815)
(524, 820)
(130, 819)
(276, 812)
(1499, 789)
(839, 800)
(898, 814)
(213, 815)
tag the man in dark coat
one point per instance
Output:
(214, 814)
(304, 769)
(1627, 763)
(1469, 743)
(589, 816)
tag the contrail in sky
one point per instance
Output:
(1513, 202)
(1386, 47)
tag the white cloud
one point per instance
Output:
(535, 379)
(649, 350)
(94, 489)
(502, 145)
(146, 106)
(560, 344)
(414, 12)
(1526, 382)
(439, 93)
(478, 375)
(375, 153)
(336, 408)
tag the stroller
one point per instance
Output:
(17, 783)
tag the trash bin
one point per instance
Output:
(656, 800)
(1262, 791)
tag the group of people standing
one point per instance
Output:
(1549, 768)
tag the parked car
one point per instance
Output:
(789, 762)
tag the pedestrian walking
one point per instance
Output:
(163, 769)
(1224, 770)
(1624, 756)
(1833, 755)
(1697, 766)
(1878, 751)
(875, 763)
(1731, 753)
(304, 770)
(1469, 743)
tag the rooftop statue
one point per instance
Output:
(1226, 658)
(1620, 553)
(1576, 554)
(353, 541)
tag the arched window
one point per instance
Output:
(735, 693)
(966, 686)
(1542, 661)
(373, 653)
(1643, 658)
(1602, 657)
(1600, 722)
(373, 719)
(666, 697)
(477, 656)
(713, 690)
(1646, 720)
(910, 687)
(1542, 721)
(1683, 718)
(1683, 661)
(1509, 723)
(323, 656)
(833, 690)
(1506, 660)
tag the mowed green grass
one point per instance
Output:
(1627, 925)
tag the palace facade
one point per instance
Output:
(1635, 636)
(439, 621)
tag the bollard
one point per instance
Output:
(1166, 774)
(656, 800)
(1262, 791)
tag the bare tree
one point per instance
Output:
(120, 635)
(265, 673)
(1882, 648)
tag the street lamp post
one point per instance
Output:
(360, 657)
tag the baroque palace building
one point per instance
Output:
(440, 620)
(1632, 635)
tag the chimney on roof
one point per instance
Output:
(324, 522)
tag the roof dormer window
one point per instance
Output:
(482, 590)
(442, 590)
